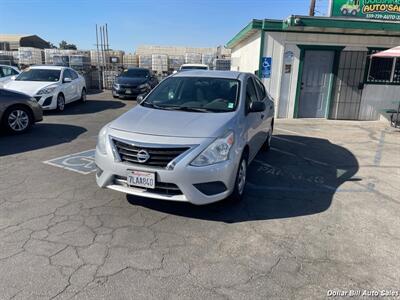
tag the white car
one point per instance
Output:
(51, 86)
(6, 72)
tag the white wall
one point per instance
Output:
(377, 97)
(277, 43)
(246, 55)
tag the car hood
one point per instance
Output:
(131, 80)
(150, 121)
(28, 87)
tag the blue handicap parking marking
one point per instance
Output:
(82, 162)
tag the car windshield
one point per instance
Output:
(186, 68)
(198, 94)
(135, 73)
(39, 75)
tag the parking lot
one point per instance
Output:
(321, 213)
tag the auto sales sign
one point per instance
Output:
(388, 10)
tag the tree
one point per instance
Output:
(52, 46)
(65, 45)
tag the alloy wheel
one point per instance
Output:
(18, 120)
(241, 181)
(60, 103)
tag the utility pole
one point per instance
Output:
(98, 56)
(312, 8)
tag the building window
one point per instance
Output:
(383, 70)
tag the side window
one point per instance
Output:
(1, 73)
(251, 94)
(73, 74)
(67, 74)
(260, 90)
(7, 71)
(13, 72)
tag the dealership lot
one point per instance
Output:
(321, 213)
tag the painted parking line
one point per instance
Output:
(81, 162)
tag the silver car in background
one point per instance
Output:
(191, 139)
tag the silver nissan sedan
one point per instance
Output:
(191, 139)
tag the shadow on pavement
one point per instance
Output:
(41, 135)
(89, 107)
(298, 177)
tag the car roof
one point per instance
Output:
(208, 73)
(48, 67)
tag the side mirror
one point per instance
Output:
(140, 98)
(67, 80)
(257, 106)
(13, 77)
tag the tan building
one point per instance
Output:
(11, 42)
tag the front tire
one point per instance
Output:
(240, 182)
(60, 102)
(83, 95)
(17, 120)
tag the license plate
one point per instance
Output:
(142, 179)
(128, 91)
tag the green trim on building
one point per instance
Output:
(253, 26)
(320, 25)
(335, 69)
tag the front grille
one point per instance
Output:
(164, 188)
(158, 157)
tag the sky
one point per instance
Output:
(196, 23)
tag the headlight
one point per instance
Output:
(144, 86)
(47, 90)
(116, 86)
(217, 152)
(102, 140)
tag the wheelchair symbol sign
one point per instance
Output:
(82, 162)
(266, 67)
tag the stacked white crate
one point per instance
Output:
(30, 56)
(130, 60)
(222, 64)
(50, 53)
(159, 63)
(193, 58)
(145, 61)
(208, 59)
(8, 58)
(175, 61)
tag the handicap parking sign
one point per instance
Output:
(266, 67)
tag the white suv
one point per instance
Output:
(51, 86)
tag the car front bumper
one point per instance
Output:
(112, 174)
(47, 101)
(128, 92)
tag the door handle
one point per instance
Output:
(262, 116)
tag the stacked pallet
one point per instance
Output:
(8, 57)
(130, 60)
(175, 62)
(222, 64)
(208, 59)
(192, 58)
(30, 56)
(159, 63)
(145, 61)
